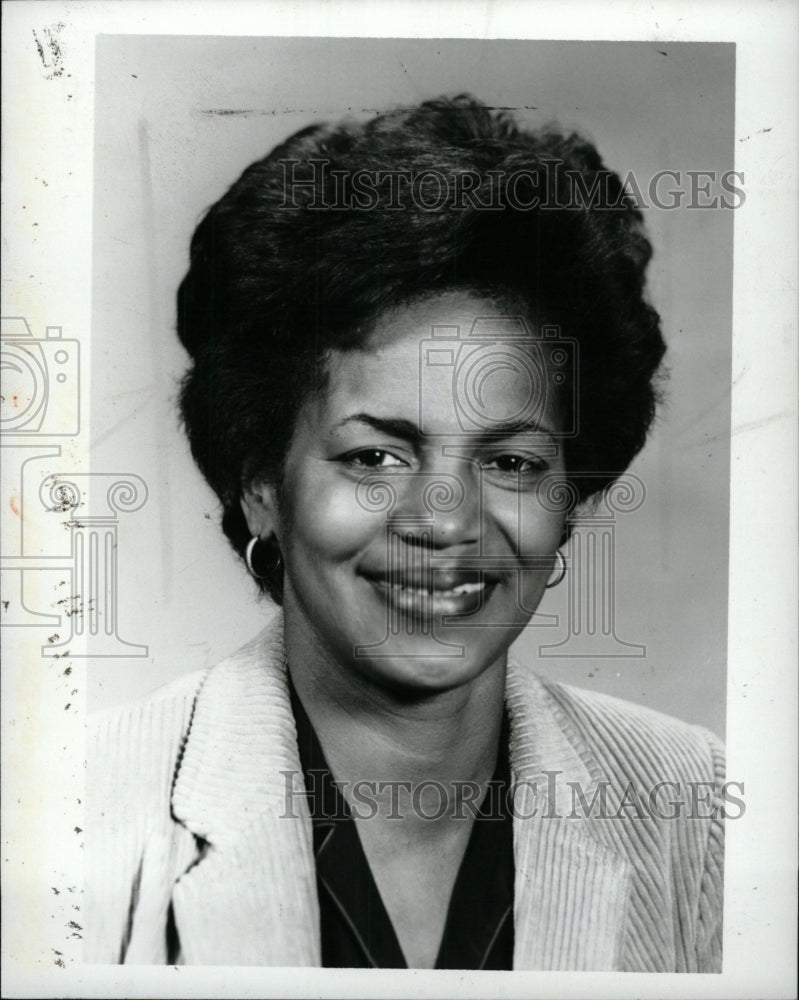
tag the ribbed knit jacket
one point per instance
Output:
(191, 857)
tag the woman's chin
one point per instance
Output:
(416, 666)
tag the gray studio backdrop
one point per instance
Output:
(177, 119)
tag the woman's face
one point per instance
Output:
(410, 518)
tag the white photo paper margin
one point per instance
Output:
(48, 104)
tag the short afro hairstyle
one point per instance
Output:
(341, 222)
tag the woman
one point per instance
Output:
(418, 345)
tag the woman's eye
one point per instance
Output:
(515, 465)
(373, 458)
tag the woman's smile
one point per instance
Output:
(433, 593)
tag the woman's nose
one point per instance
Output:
(440, 508)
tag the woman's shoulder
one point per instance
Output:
(132, 751)
(157, 714)
(145, 735)
(633, 740)
(170, 705)
(620, 714)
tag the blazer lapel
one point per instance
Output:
(251, 898)
(571, 890)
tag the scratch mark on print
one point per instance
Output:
(760, 131)
(50, 52)
(262, 112)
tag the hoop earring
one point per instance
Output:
(560, 569)
(248, 558)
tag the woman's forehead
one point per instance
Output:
(452, 363)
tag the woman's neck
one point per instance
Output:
(370, 732)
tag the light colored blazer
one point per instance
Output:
(191, 857)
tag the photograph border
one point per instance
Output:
(48, 75)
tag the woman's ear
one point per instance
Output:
(260, 509)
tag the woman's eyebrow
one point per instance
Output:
(393, 426)
(520, 427)
(409, 431)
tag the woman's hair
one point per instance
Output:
(342, 221)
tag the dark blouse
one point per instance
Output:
(356, 930)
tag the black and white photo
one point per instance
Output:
(380, 545)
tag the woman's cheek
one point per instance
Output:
(331, 518)
(526, 526)
(539, 529)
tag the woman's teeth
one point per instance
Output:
(463, 588)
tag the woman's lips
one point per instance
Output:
(436, 594)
